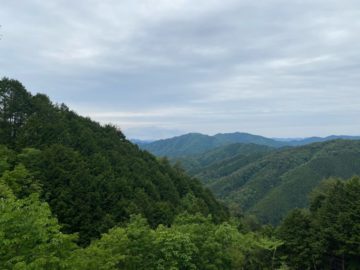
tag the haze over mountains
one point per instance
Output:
(196, 143)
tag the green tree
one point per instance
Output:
(15, 107)
(299, 240)
(6, 158)
(338, 222)
(21, 181)
(30, 237)
(330, 233)
(173, 250)
(90, 175)
(127, 247)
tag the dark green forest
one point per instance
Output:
(91, 176)
(78, 195)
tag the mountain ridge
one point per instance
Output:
(197, 143)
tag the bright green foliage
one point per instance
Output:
(30, 237)
(5, 191)
(137, 246)
(20, 181)
(120, 248)
(6, 158)
(15, 179)
(192, 242)
(173, 249)
(223, 246)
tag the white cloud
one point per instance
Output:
(209, 65)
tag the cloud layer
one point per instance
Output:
(158, 68)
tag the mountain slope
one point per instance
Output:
(340, 159)
(91, 176)
(282, 180)
(222, 160)
(241, 137)
(188, 144)
(196, 143)
(268, 182)
(310, 140)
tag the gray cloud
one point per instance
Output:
(157, 67)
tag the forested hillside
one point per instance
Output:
(310, 140)
(77, 195)
(196, 143)
(222, 160)
(189, 144)
(91, 176)
(270, 183)
(65, 180)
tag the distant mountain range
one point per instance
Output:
(268, 182)
(263, 176)
(197, 143)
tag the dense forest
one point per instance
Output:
(78, 195)
(91, 176)
(268, 182)
(221, 161)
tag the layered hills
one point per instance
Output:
(197, 143)
(78, 195)
(269, 182)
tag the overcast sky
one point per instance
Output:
(158, 68)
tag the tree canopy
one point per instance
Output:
(78, 195)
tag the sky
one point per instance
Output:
(160, 68)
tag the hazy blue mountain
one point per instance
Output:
(197, 143)
(188, 144)
(240, 137)
(320, 139)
